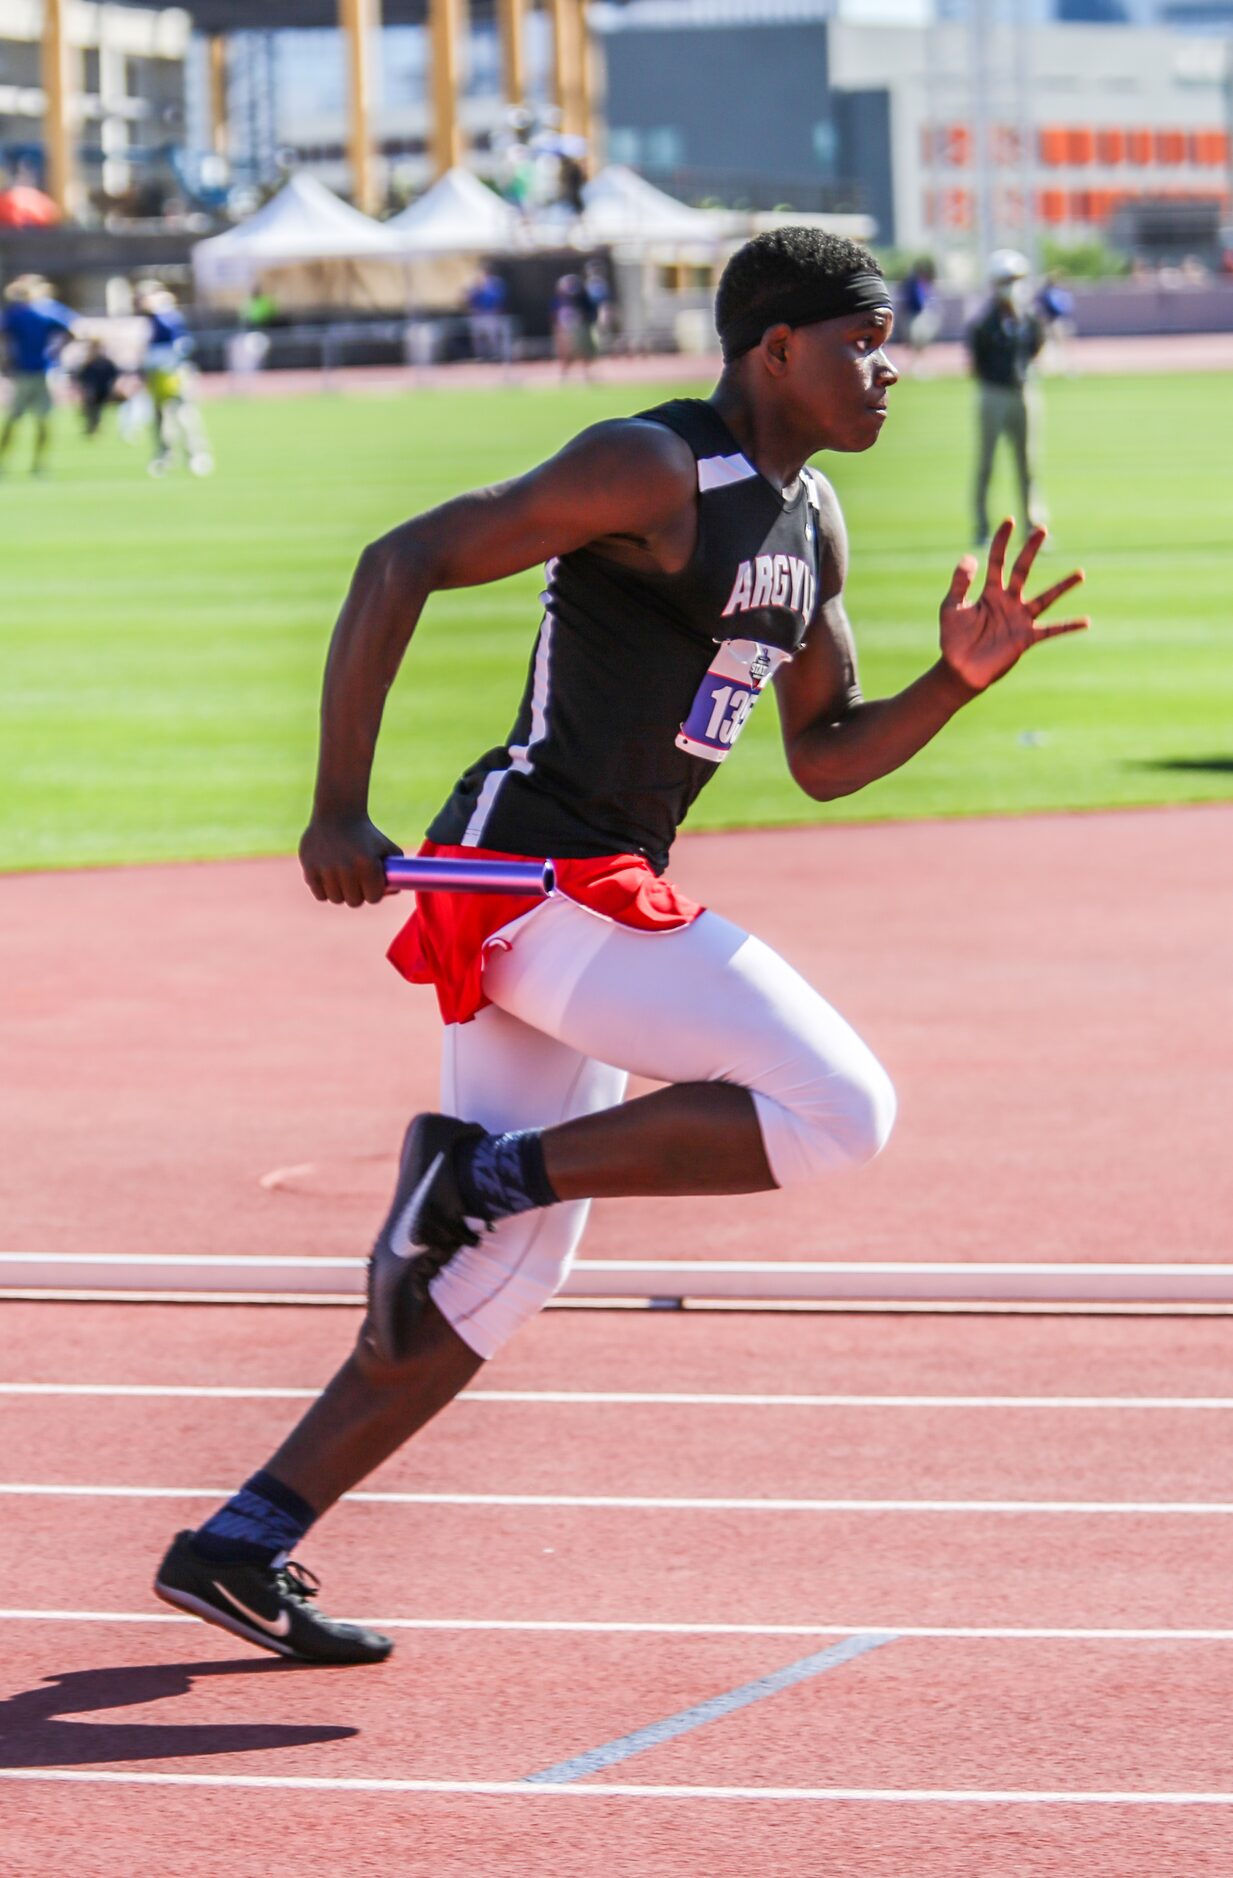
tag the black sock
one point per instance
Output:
(499, 1175)
(263, 1520)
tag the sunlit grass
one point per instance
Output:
(162, 642)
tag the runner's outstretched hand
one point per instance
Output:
(984, 637)
(344, 860)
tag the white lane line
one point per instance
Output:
(320, 1783)
(640, 1397)
(158, 1391)
(998, 1633)
(652, 1503)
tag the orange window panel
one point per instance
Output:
(1053, 146)
(1139, 144)
(1209, 148)
(1170, 146)
(1080, 145)
(1111, 147)
(1051, 205)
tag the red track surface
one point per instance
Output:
(981, 1713)
(1058, 1036)
(175, 1034)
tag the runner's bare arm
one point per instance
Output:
(836, 740)
(625, 484)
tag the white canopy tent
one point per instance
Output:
(665, 255)
(623, 210)
(668, 256)
(444, 235)
(307, 248)
(458, 215)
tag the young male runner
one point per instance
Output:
(691, 557)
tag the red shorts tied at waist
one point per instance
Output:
(443, 942)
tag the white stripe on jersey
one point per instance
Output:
(715, 472)
(812, 491)
(520, 753)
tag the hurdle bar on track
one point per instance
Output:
(862, 1280)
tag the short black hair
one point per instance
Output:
(762, 273)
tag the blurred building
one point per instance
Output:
(289, 106)
(129, 77)
(804, 103)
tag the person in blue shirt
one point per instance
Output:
(918, 311)
(1055, 308)
(35, 329)
(488, 316)
(166, 373)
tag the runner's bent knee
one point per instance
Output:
(708, 1003)
(843, 1119)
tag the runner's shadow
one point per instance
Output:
(31, 1735)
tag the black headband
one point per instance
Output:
(803, 305)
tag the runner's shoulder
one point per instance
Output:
(639, 449)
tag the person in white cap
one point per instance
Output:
(1002, 343)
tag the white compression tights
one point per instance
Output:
(579, 1003)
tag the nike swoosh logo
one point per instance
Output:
(279, 1626)
(401, 1244)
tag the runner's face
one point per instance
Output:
(839, 376)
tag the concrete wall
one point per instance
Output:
(738, 99)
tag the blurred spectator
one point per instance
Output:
(166, 372)
(572, 181)
(918, 311)
(260, 310)
(248, 350)
(516, 162)
(97, 379)
(598, 291)
(1055, 308)
(1002, 343)
(488, 317)
(573, 325)
(35, 329)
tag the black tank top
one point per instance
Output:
(641, 682)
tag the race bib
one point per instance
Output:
(737, 676)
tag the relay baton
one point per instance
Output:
(427, 874)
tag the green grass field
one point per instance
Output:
(162, 642)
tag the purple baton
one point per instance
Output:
(429, 875)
